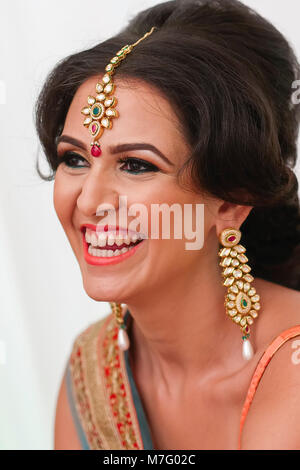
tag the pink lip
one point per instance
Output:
(103, 261)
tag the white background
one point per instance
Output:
(42, 301)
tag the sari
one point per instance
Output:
(104, 401)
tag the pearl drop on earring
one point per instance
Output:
(247, 350)
(119, 311)
(123, 340)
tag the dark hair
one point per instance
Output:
(228, 75)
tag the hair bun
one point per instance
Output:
(272, 237)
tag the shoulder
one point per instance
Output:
(68, 430)
(273, 420)
(65, 433)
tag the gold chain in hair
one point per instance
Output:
(102, 107)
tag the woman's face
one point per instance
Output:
(83, 183)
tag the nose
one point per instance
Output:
(97, 194)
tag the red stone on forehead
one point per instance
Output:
(96, 151)
(231, 238)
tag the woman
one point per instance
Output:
(207, 86)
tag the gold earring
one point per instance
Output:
(123, 340)
(241, 301)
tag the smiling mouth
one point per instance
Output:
(109, 250)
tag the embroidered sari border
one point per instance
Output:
(117, 388)
(102, 395)
(78, 367)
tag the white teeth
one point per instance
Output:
(110, 240)
(106, 253)
(94, 239)
(102, 239)
(88, 236)
(119, 241)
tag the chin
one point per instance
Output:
(102, 294)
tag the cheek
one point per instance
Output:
(64, 197)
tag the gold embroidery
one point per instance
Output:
(116, 389)
(81, 399)
(102, 390)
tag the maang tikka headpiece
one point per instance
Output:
(102, 108)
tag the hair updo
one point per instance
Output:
(227, 73)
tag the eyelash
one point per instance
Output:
(68, 156)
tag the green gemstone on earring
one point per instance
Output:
(96, 111)
(244, 303)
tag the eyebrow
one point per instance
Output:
(116, 148)
(70, 140)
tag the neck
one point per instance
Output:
(187, 333)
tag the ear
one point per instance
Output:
(231, 215)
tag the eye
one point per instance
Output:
(71, 160)
(137, 166)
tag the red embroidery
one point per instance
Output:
(116, 387)
(82, 399)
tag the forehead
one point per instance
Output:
(143, 114)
